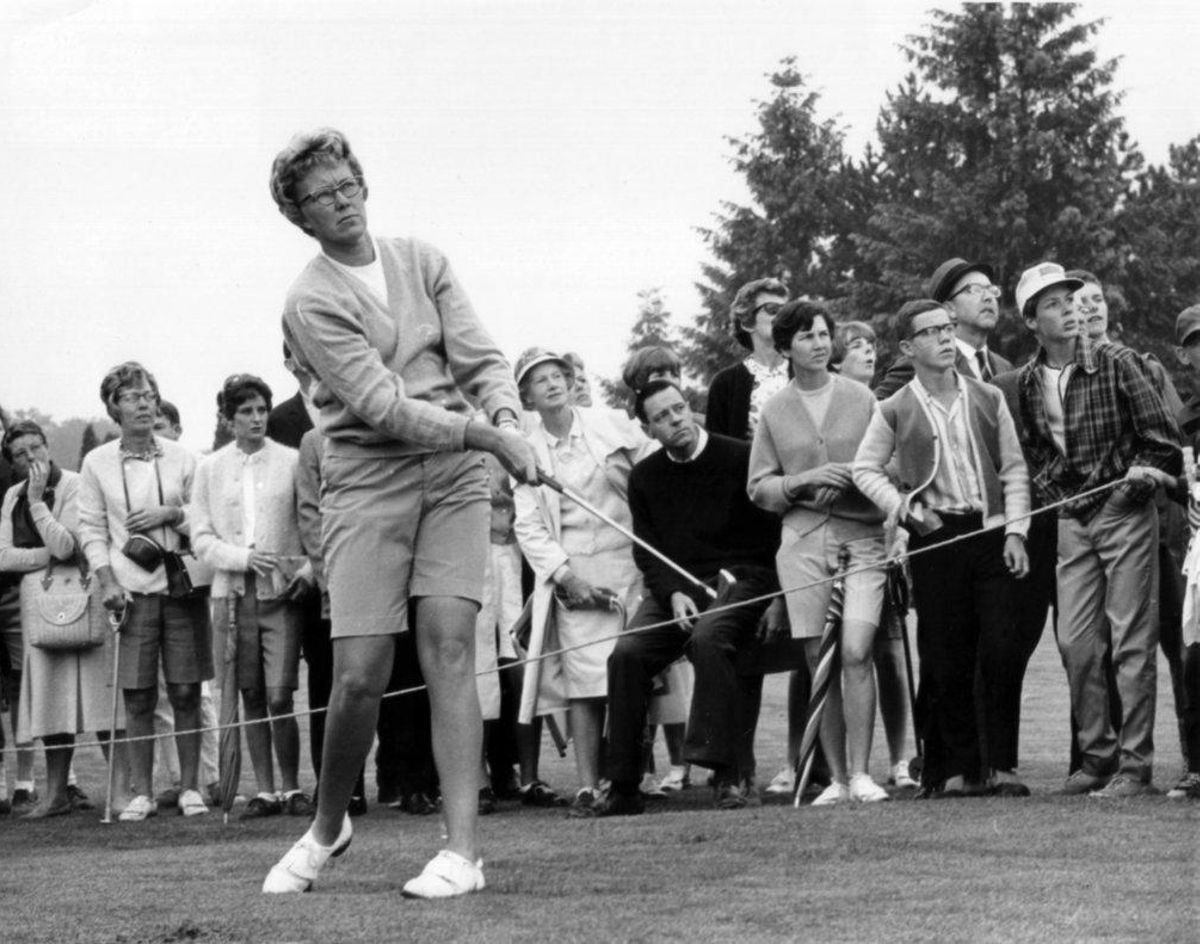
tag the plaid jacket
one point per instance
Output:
(1114, 419)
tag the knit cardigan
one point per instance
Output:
(216, 515)
(787, 443)
(393, 380)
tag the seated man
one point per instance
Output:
(689, 501)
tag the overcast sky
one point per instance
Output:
(561, 154)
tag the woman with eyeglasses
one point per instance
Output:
(800, 468)
(737, 393)
(132, 504)
(399, 357)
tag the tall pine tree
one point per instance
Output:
(1003, 144)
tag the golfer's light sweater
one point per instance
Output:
(698, 514)
(394, 380)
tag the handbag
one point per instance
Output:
(59, 612)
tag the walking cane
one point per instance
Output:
(115, 620)
(726, 577)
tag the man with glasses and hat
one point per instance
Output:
(1093, 419)
(951, 443)
(967, 291)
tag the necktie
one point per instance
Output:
(985, 369)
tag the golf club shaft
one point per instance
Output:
(587, 506)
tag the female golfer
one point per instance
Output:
(395, 347)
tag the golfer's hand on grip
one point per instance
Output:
(507, 445)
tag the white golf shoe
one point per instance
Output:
(297, 870)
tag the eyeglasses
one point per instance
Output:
(771, 308)
(935, 331)
(131, 397)
(979, 290)
(347, 188)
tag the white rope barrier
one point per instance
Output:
(516, 666)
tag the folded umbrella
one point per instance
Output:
(229, 744)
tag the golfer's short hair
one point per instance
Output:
(15, 432)
(649, 390)
(646, 361)
(741, 312)
(238, 389)
(795, 317)
(324, 147)
(846, 334)
(908, 313)
(120, 378)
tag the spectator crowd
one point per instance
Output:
(662, 564)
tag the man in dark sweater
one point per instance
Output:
(689, 502)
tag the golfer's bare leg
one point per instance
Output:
(361, 668)
(858, 691)
(446, 648)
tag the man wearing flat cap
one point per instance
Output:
(967, 289)
(1098, 432)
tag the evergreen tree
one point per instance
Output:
(1003, 144)
(652, 327)
(797, 228)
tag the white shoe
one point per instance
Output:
(191, 803)
(298, 869)
(650, 787)
(833, 794)
(865, 790)
(679, 778)
(139, 809)
(783, 782)
(446, 875)
(901, 778)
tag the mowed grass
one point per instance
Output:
(1042, 869)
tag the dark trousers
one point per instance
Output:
(404, 758)
(966, 638)
(500, 735)
(725, 705)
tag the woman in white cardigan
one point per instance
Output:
(806, 439)
(244, 524)
(583, 566)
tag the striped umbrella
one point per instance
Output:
(823, 673)
(229, 744)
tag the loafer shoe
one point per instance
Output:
(299, 804)
(621, 804)
(260, 807)
(191, 803)
(677, 779)
(447, 875)
(297, 871)
(865, 790)
(783, 783)
(651, 789)
(584, 804)
(140, 808)
(419, 803)
(1186, 788)
(539, 793)
(23, 800)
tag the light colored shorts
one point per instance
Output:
(804, 560)
(396, 528)
(178, 629)
(268, 640)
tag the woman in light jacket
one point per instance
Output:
(807, 436)
(583, 566)
(261, 569)
(63, 692)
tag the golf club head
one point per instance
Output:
(725, 582)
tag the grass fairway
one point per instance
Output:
(1041, 869)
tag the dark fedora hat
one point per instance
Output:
(944, 276)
